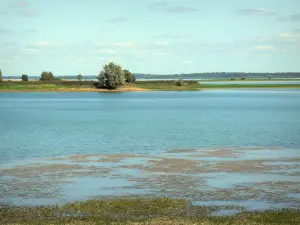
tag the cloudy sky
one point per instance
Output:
(149, 36)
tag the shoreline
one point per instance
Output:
(126, 89)
(91, 90)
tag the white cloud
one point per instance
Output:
(159, 53)
(16, 57)
(44, 43)
(261, 38)
(162, 43)
(126, 44)
(256, 12)
(109, 52)
(84, 60)
(288, 37)
(166, 7)
(31, 50)
(268, 48)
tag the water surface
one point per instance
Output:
(239, 146)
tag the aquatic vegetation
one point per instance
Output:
(198, 174)
(141, 211)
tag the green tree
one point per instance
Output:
(24, 77)
(1, 78)
(47, 76)
(112, 76)
(79, 77)
(180, 82)
(129, 77)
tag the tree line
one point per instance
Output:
(112, 76)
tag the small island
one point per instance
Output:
(113, 78)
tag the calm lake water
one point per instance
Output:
(124, 136)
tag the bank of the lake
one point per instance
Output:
(164, 85)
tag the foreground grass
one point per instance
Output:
(90, 86)
(138, 211)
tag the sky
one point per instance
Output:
(69, 37)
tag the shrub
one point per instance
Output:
(79, 77)
(24, 77)
(180, 82)
(47, 76)
(129, 77)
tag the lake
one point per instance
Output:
(212, 147)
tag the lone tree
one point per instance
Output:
(79, 77)
(112, 76)
(1, 76)
(180, 82)
(24, 77)
(129, 77)
(47, 76)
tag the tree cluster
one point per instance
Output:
(113, 76)
(47, 76)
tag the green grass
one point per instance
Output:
(168, 85)
(149, 85)
(138, 211)
(195, 85)
(42, 85)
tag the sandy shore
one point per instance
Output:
(123, 89)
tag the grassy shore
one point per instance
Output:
(195, 85)
(90, 86)
(139, 211)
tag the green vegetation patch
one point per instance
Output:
(171, 85)
(140, 211)
(44, 85)
(168, 85)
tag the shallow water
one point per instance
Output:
(238, 146)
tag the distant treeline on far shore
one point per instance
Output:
(212, 75)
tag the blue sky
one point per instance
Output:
(148, 36)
